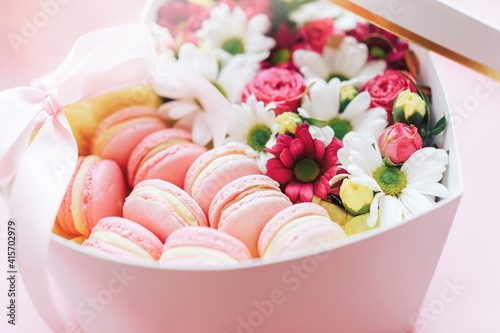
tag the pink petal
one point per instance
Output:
(320, 189)
(319, 150)
(336, 144)
(293, 190)
(274, 163)
(287, 158)
(281, 175)
(297, 149)
(307, 140)
(306, 192)
(284, 139)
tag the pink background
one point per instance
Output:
(470, 258)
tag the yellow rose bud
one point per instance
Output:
(356, 198)
(288, 122)
(358, 225)
(347, 94)
(409, 108)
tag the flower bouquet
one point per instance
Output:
(328, 104)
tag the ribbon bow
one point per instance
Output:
(35, 174)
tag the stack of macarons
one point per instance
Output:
(149, 193)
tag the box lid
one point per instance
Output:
(437, 26)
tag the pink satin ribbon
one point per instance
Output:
(34, 177)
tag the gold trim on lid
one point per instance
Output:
(416, 39)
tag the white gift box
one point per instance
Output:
(373, 282)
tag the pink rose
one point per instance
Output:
(250, 7)
(282, 86)
(178, 15)
(315, 34)
(399, 141)
(386, 87)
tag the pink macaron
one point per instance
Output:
(202, 246)
(243, 207)
(100, 246)
(118, 134)
(162, 207)
(166, 155)
(129, 236)
(298, 228)
(96, 190)
(215, 169)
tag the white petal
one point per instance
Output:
(425, 167)
(179, 109)
(390, 211)
(323, 134)
(351, 57)
(186, 122)
(372, 219)
(324, 99)
(259, 24)
(415, 202)
(357, 152)
(203, 62)
(201, 131)
(310, 63)
(373, 68)
(236, 74)
(357, 106)
(337, 178)
(370, 124)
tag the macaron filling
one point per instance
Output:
(76, 193)
(211, 167)
(121, 242)
(175, 203)
(197, 252)
(290, 230)
(160, 147)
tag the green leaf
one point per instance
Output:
(316, 122)
(388, 162)
(439, 127)
(306, 92)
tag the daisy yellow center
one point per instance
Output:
(280, 57)
(258, 137)
(340, 127)
(233, 46)
(339, 76)
(307, 170)
(390, 179)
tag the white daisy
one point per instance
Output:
(313, 11)
(323, 103)
(400, 193)
(164, 42)
(348, 62)
(251, 123)
(189, 115)
(231, 33)
(321, 9)
(230, 80)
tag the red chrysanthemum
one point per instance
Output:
(303, 165)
